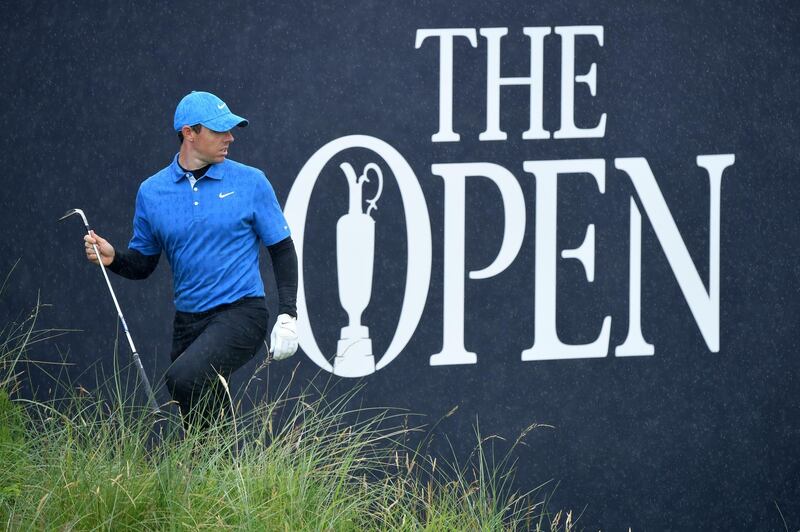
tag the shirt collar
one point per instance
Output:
(215, 172)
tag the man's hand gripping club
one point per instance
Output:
(106, 250)
(283, 340)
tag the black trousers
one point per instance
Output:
(207, 344)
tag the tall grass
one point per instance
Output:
(96, 462)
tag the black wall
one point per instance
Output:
(684, 439)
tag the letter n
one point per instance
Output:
(703, 304)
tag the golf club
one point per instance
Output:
(136, 360)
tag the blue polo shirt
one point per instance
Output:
(209, 231)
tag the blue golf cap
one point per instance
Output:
(206, 109)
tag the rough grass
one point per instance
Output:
(296, 463)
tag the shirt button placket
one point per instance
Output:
(195, 213)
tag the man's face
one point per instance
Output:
(211, 146)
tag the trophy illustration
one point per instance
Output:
(355, 253)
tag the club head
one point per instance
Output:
(75, 211)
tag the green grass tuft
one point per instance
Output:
(296, 463)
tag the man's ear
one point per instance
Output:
(188, 133)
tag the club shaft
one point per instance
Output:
(136, 360)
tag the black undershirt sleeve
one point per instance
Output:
(132, 264)
(284, 265)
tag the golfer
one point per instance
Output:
(208, 215)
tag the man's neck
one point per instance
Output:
(189, 161)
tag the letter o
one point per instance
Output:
(418, 237)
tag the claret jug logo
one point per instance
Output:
(355, 253)
(357, 248)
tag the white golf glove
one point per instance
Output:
(283, 340)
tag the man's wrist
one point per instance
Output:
(114, 265)
(287, 310)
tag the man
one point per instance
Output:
(208, 214)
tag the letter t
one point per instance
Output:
(446, 133)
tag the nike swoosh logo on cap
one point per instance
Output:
(221, 106)
(221, 195)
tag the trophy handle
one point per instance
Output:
(373, 202)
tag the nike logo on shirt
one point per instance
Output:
(221, 195)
